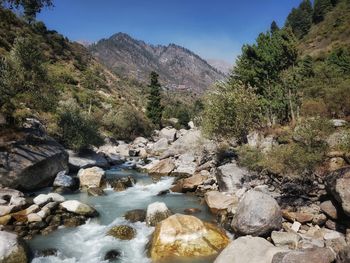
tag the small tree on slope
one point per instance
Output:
(154, 108)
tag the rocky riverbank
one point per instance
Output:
(269, 222)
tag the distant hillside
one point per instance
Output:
(220, 65)
(179, 68)
(333, 32)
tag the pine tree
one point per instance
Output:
(154, 108)
(321, 8)
(300, 19)
(274, 27)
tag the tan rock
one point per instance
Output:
(186, 236)
(218, 201)
(163, 167)
(91, 177)
(329, 209)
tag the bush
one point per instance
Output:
(126, 123)
(78, 130)
(250, 157)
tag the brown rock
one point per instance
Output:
(329, 209)
(313, 255)
(122, 232)
(163, 167)
(297, 216)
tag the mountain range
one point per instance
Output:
(178, 68)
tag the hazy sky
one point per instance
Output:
(212, 29)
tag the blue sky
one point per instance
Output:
(212, 29)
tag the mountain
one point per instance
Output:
(220, 65)
(178, 67)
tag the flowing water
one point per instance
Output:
(88, 243)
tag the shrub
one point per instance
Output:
(250, 157)
(78, 130)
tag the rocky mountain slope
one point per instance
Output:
(179, 68)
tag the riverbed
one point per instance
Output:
(89, 244)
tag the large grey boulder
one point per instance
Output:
(185, 165)
(230, 177)
(257, 214)
(86, 159)
(160, 146)
(248, 250)
(169, 133)
(30, 161)
(12, 249)
(312, 255)
(338, 185)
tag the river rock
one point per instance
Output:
(185, 165)
(12, 249)
(42, 199)
(122, 183)
(160, 146)
(91, 177)
(248, 250)
(122, 232)
(186, 236)
(65, 181)
(168, 133)
(137, 215)
(87, 159)
(140, 141)
(31, 162)
(230, 177)
(329, 209)
(79, 208)
(95, 191)
(290, 239)
(156, 212)
(163, 167)
(191, 183)
(112, 255)
(218, 201)
(312, 255)
(257, 214)
(338, 184)
(11, 201)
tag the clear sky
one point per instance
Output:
(212, 29)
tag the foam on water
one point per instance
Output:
(89, 244)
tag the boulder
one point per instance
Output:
(191, 142)
(42, 199)
(257, 214)
(95, 191)
(312, 255)
(30, 161)
(185, 165)
(230, 177)
(86, 159)
(248, 250)
(168, 133)
(112, 255)
(218, 201)
(137, 215)
(122, 232)
(12, 249)
(140, 141)
(338, 185)
(79, 208)
(191, 183)
(111, 153)
(64, 180)
(11, 201)
(156, 212)
(290, 239)
(186, 236)
(163, 167)
(160, 146)
(329, 209)
(122, 183)
(91, 177)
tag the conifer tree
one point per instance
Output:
(274, 27)
(321, 8)
(154, 108)
(300, 19)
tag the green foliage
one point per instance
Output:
(230, 110)
(179, 111)
(25, 82)
(321, 8)
(78, 130)
(154, 108)
(126, 123)
(300, 19)
(274, 27)
(250, 157)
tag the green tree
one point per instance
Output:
(30, 7)
(321, 8)
(154, 108)
(274, 27)
(300, 19)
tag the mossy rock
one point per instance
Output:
(122, 232)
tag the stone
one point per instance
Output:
(218, 201)
(312, 255)
(338, 185)
(163, 167)
(64, 180)
(290, 239)
(122, 183)
(190, 211)
(249, 249)
(79, 208)
(34, 218)
(185, 165)
(42, 199)
(186, 236)
(87, 159)
(122, 232)
(257, 214)
(160, 146)
(230, 177)
(329, 209)
(32, 161)
(12, 249)
(336, 163)
(56, 197)
(91, 177)
(338, 123)
(297, 216)
(95, 191)
(168, 133)
(156, 212)
(296, 226)
(137, 215)
(190, 184)
(112, 255)
(12, 201)
(140, 141)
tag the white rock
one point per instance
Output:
(56, 197)
(91, 177)
(156, 212)
(77, 207)
(296, 226)
(42, 199)
(34, 218)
